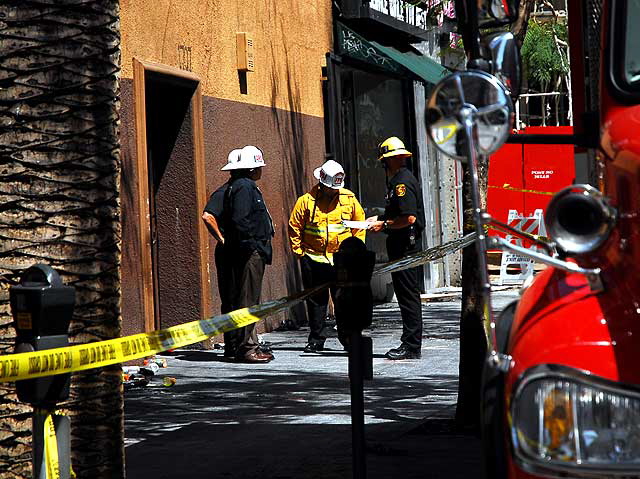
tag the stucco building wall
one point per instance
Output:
(281, 112)
(291, 40)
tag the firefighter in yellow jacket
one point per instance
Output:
(316, 230)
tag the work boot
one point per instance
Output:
(254, 357)
(313, 347)
(266, 354)
(403, 352)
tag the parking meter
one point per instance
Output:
(354, 300)
(42, 308)
(353, 306)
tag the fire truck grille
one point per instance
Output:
(592, 41)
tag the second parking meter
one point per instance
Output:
(353, 305)
(42, 307)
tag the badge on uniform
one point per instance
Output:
(401, 190)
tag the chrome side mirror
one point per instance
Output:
(469, 114)
(492, 13)
(466, 96)
(501, 49)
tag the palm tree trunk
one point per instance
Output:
(60, 164)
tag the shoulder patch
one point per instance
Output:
(401, 189)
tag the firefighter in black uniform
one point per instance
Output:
(248, 231)
(403, 222)
(213, 219)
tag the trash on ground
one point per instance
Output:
(141, 376)
(168, 381)
(150, 369)
(134, 380)
(161, 362)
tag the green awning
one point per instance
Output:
(356, 46)
(424, 67)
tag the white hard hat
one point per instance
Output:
(246, 159)
(232, 159)
(330, 174)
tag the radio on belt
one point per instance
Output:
(42, 307)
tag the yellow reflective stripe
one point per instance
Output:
(337, 228)
(315, 231)
(320, 258)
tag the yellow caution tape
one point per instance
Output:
(51, 459)
(51, 449)
(519, 190)
(48, 362)
(425, 256)
(15, 367)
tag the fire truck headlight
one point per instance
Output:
(571, 421)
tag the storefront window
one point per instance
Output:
(632, 40)
(624, 55)
(379, 113)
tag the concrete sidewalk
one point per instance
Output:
(291, 418)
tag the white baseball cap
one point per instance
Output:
(247, 158)
(331, 174)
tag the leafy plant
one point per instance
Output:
(543, 59)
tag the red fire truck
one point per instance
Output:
(561, 386)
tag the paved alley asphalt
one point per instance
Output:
(291, 418)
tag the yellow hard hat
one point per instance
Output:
(392, 146)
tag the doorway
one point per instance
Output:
(365, 106)
(372, 106)
(171, 190)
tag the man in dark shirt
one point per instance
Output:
(248, 231)
(213, 219)
(403, 222)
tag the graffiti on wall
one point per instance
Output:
(352, 44)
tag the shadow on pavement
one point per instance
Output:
(298, 451)
(287, 424)
(291, 418)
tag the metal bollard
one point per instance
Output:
(42, 307)
(354, 311)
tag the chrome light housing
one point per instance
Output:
(566, 422)
(579, 219)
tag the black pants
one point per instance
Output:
(246, 288)
(223, 274)
(406, 287)
(314, 274)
